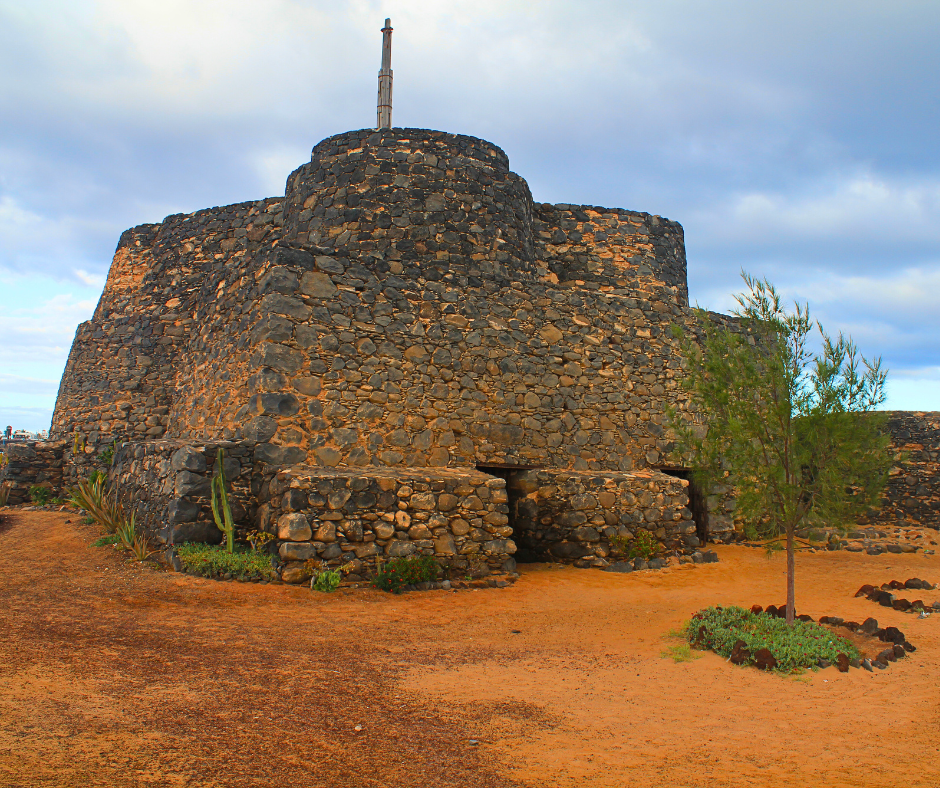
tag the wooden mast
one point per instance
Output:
(384, 120)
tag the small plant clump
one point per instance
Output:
(40, 495)
(4, 493)
(794, 646)
(258, 539)
(106, 456)
(401, 572)
(327, 580)
(643, 545)
(108, 539)
(211, 560)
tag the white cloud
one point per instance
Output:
(852, 210)
(914, 389)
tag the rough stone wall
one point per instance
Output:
(212, 378)
(167, 483)
(369, 516)
(359, 366)
(28, 465)
(567, 516)
(120, 379)
(412, 196)
(912, 495)
(612, 248)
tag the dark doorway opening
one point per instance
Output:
(524, 553)
(698, 505)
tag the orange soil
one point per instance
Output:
(112, 674)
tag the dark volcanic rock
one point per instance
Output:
(739, 653)
(764, 660)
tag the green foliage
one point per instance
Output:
(91, 495)
(106, 456)
(104, 541)
(326, 580)
(215, 560)
(40, 495)
(798, 645)
(643, 545)
(400, 572)
(139, 548)
(258, 539)
(220, 501)
(127, 532)
(795, 428)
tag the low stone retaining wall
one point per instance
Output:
(365, 516)
(168, 484)
(32, 464)
(572, 517)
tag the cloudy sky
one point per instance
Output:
(795, 140)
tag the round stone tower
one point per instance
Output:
(411, 195)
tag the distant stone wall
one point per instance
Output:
(29, 465)
(572, 517)
(367, 516)
(912, 496)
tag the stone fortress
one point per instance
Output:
(403, 355)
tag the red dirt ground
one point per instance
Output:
(112, 674)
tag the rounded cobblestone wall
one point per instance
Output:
(411, 195)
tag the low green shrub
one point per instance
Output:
(40, 495)
(643, 545)
(104, 541)
(798, 645)
(327, 580)
(401, 572)
(210, 560)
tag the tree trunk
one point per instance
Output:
(791, 572)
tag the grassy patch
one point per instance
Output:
(211, 560)
(800, 645)
(679, 633)
(104, 541)
(679, 653)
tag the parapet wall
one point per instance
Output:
(121, 377)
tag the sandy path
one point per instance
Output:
(111, 674)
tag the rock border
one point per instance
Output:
(883, 596)
(765, 660)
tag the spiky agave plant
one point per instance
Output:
(127, 533)
(224, 521)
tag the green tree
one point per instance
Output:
(792, 428)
